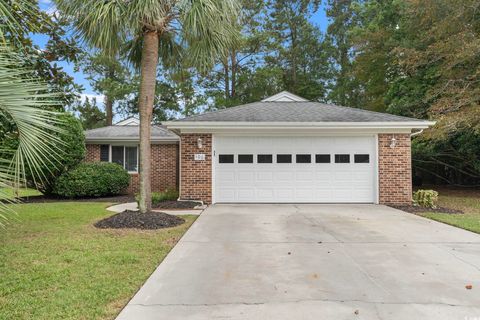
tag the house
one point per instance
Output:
(281, 149)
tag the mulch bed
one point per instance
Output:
(172, 204)
(135, 220)
(417, 209)
(47, 199)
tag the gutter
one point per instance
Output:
(172, 125)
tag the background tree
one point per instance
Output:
(419, 58)
(42, 63)
(344, 88)
(111, 77)
(89, 113)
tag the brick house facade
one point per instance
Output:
(330, 153)
(394, 169)
(164, 166)
(196, 176)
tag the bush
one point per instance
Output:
(157, 197)
(425, 198)
(70, 153)
(96, 179)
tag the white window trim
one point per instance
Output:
(124, 146)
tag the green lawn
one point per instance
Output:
(466, 200)
(22, 192)
(55, 265)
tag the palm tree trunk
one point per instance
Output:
(109, 110)
(145, 105)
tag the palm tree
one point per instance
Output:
(204, 28)
(21, 101)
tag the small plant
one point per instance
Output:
(425, 198)
(157, 197)
(95, 179)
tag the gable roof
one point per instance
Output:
(286, 110)
(128, 133)
(296, 112)
(284, 96)
(132, 121)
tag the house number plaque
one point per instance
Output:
(199, 157)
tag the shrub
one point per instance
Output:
(157, 197)
(95, 179)
(70, 152)
(425, 198)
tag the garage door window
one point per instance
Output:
(284, 158)
(264, 158)
(304, 158)
(362, 158)
(342, 158)
(225, 158)
(245, 158)
(322, 158)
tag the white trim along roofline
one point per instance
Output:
(231, 125)
(105, 140)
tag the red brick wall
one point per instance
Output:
(196, 176)
(93, 153)
(164, 166)
(395, 169)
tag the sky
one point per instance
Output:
(319, 19)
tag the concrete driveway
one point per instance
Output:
(314, 262)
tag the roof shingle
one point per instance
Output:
(123, 132)
(295, 112)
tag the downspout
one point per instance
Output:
(416, 133)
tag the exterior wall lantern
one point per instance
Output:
(199, 143)
(393, 142)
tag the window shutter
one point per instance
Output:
(104, 152)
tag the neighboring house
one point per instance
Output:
(282, 149)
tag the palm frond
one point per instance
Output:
(208, 28)
(170, 51)
(22, 100)
(101, 24)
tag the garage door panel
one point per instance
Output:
(245, 177)
(226, 177)
(304, 176)
(245, 194)
(284, 176)
(285, 193)
(226, 194)
(304, 194)
(265, 194)
(264, 176)
(295, 182)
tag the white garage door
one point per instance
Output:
(294, 169)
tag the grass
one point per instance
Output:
(466, 200)
(22, 192)
(55, 265)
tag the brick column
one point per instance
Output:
(196, 175)
(395, 169)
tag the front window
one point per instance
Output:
(125, 156)
(131, 159)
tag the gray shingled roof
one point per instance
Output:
(295, 112)
(128, 133)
